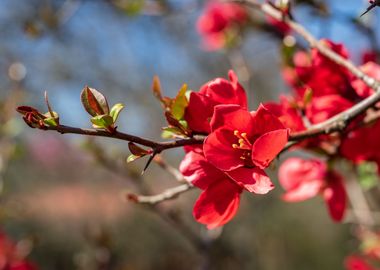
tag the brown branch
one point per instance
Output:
(156, 146)
(168, 194)
(340, 121)
(271, 11)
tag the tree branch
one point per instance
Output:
(168, 194)
(340, 121)
(156, 146)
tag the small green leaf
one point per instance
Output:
(307, 96)
(94, 102)
(131, 7)
(132, 158)
(115, 111)
(52, 119)
(102, 121)
(170, 132)
(180, 103)
(367, 175)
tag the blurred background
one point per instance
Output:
(63, 196)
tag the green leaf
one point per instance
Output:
(308, 96)
(102, 121)
(134, 7)
(367, 175)
(180, 103)
(170, 132)
(115, 111)
(132, 158)
(52, 119)
(94, 102)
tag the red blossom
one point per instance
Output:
(305, 179)
(369, 56)
(281, 27)
(325, 107)
(371, 69)
(287, 113)
(218, 91)
(217, 18)
(357, 263)
(362, 144)
(243, 143)
(220, 198)
(321, 75)
(9, 257)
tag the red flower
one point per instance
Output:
(281, 27)
(357, 263)
(9, 258)
(371, 69)
(321, 75)
(304, 179)
(217, 19)
(362, 144)
(287, 113)
(325, 107)
(242, 144)
(369, 56)
(220, 198)
(219, 91)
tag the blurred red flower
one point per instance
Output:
(217, 19)
(304, 179)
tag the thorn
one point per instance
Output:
(373, 5)
(148, 163)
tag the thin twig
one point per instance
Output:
(168, 194)
(170, 169)
(168, 216)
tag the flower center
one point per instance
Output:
(243, 142)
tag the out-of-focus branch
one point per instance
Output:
(360, 207)
(170, 169)
(168, 216)
(168, 194)
(240, 66)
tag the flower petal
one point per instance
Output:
(264, 121)
(232, 117)
(198, 171)
(199, 112)
(218, 150)
(218, 204)
(305, 190)
(268, 146)
(252, 179)
(294, 171)
(240, 92)
(224, 92)
(335, 196)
